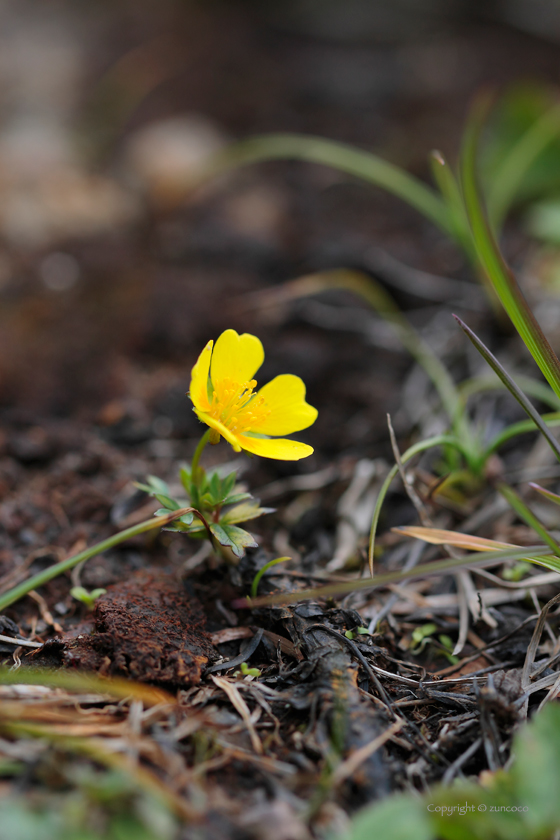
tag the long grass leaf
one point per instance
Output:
(65, 565)
(539, 554)
(548, 494)
(512, 387)
(533, 387)
(449, 188)
(494, 266)
(525, 513)
(416, 449)
(508, 178)
(365, 165)
(520, 428)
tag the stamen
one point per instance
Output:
(236, 405)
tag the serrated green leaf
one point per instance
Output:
(235, 538)
(242, 513)
(167, 502)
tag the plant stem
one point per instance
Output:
(197, 453)
(53, 571)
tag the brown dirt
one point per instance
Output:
(148, 628)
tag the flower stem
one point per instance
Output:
(197, 453)
(53, 571)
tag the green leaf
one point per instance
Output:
(167, 502)
(182, 524)
(236, 497)
(157, 485)
(397, 818)
(536, 770)
(228, 483)
(235, 538)
(185, 476)
(214, 486)
(242, 513)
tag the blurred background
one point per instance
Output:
(113, 275)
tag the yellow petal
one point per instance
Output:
(285, 397)
(236, 357)
(198, 391)
(278, 448)
(219, 427)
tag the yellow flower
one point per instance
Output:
(223, 394)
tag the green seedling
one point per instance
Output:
(85, 597)
(447, 648)
(421, 636)
(516, 572)
(246, 671)
(358, 631)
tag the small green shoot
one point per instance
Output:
(421, 636)
(222, 505)
(261, 572)
(358, 631)
(85, 597)
(516, 572)
(246, 671)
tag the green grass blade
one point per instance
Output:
(365, 165)
(421, 446)
(521, 428)
(494, 266)
(538, 554)
(449, 188)
(548, 494)
(65, 565)
(512, 387)
(509, 177)
(525, 513)
(533, 387)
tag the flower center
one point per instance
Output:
(236, 405)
